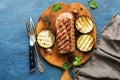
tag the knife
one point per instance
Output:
(31, 49)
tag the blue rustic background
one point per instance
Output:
(14, 62)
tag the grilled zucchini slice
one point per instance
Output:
(45, 39)
(85, 42)
(84, 24)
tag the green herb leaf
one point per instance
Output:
(66, 66)
(93, 4)
(78, 58)
(76, 63)
(56, 7)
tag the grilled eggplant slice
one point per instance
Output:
(84, 24)
(85, 42)
(45, 39)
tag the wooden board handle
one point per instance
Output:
(66, 76)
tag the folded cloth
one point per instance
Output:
(105, 62)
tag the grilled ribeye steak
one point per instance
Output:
(65, 33)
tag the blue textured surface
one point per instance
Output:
(14, 62)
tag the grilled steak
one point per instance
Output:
(65, 33)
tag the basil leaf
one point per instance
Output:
(56, 7)
(93, 4)
(66, 66)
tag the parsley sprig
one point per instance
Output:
(66, 66)
(93, 4)
(56, 7)
(77, 60)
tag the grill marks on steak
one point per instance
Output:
(65, 35)
(62, 39)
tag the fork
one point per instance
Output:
(32, 36)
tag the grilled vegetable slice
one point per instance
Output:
(84, 24)
(85, 42)
(45, 39)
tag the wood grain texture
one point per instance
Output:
(54, 58)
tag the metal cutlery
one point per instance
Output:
(31, 50)
(31, 34)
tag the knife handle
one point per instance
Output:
(32, 59)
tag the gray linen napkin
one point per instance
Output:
(105, 62)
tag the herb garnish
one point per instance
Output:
(93, 4)
(47, 21)
(77, 60)
(56, 7)
(66, 66)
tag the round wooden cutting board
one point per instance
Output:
(54, 57)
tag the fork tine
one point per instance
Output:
(31, 25)
(31, 29)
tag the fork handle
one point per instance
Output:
(32, 59)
